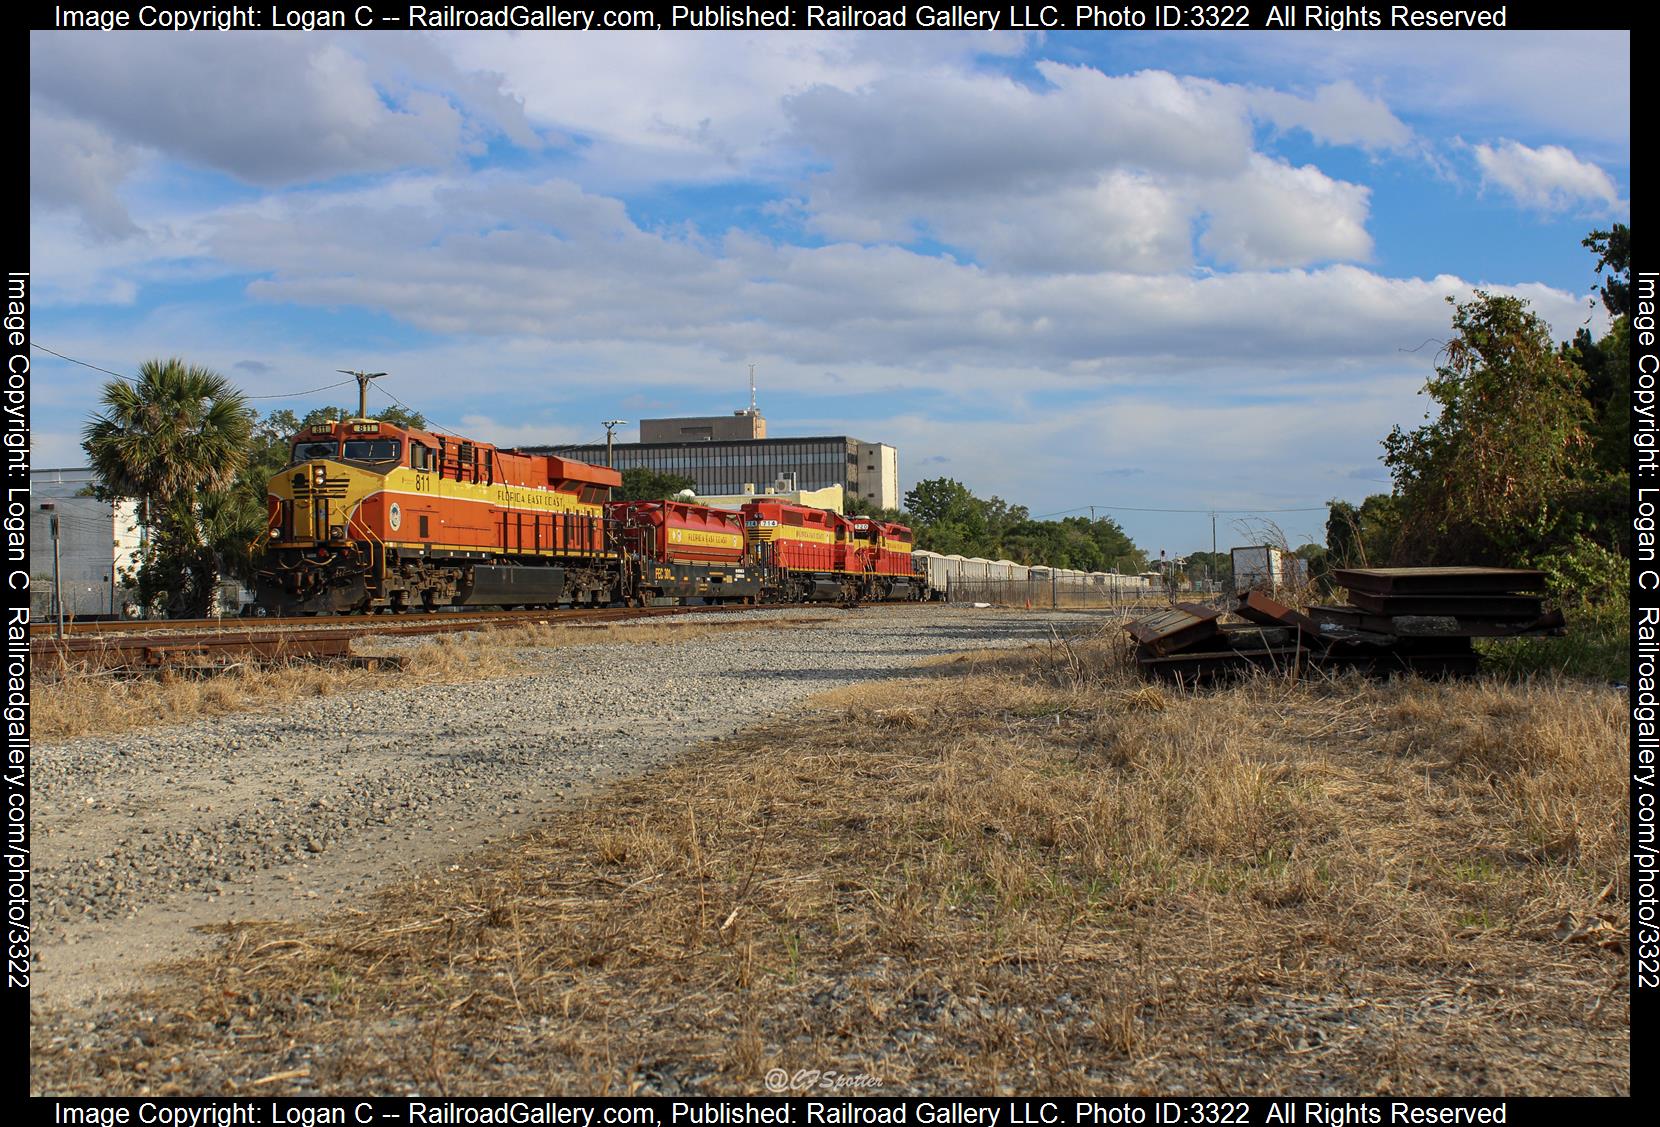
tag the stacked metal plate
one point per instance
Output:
(1189, 643)
(1442, 602)
(1397, 619)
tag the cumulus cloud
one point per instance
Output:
(1029, 264)
(277, 110)
(500, 255)
(75, 167)
(1093, 172)
(714, 105)
(1278, 215)
(1548, 178)
(1338, 114)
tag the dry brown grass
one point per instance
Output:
(78, 703)
(1018, 873)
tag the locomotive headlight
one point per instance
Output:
(318, 473)
(337, 532)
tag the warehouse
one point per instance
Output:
(97, 542)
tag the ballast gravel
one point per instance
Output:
(141, 838)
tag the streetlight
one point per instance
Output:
(57, 588)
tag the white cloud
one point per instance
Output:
(1338, 114)
(1548, 178)
(1093, 173)
(1276, 215)
(1064, 325)
(1570, 83)
(75, 167)
(275, 110)
(713, 105)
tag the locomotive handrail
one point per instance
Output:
(373, 538)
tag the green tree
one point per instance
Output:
(173, 437)
(1479, 481)
(1364, 535)
(856, 506)
(1613, 251)
(398, 416)
(940, 500)
(1206, 566)
(648, 485)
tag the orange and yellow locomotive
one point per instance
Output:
(369, 515)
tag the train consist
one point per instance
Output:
(373, 516)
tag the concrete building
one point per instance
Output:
(97, 541)
(739, 426)
(726, 467)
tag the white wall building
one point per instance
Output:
(97, 542)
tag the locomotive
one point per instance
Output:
(372, 516)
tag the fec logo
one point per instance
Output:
(394, 516)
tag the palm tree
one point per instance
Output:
(177, 434)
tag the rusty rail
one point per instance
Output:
(303, 639)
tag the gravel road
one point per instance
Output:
(141, 839)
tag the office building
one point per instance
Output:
(721, 466)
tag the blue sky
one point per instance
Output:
(1133, 270)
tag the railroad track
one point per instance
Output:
(105, 627)
(209, 642)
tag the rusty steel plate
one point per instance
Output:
(1439, 580)
(1517, 608)
(1549, 624)
(1259, 608)
(1175, 629)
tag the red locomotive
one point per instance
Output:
(684, 550)
(884, 554)
(817, 555)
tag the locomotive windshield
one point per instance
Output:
(372, 450)
(306, 451)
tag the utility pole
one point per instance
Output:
(363, 379)
(1213, 543)
(611, 426)
(57, 559)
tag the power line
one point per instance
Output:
(82, 363)
(131, 380)
(457, 431)
(1206, 512)
(297, 394)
